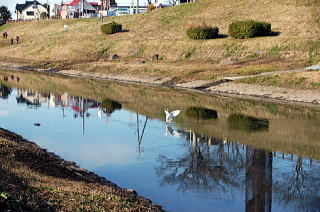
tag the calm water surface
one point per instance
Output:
(177, 165)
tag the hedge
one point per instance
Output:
(202, 32)
(200, 113)
(111, 28)
(249, 29)
(247, 123)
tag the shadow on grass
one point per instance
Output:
(274, 33)
(220, 36)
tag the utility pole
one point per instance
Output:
(137, 6)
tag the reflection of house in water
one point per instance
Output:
(31, 98)
(193, 137)
(58, 100)
(4, 92)
(80, 106)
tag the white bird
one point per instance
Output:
(224, 141)
(65, 27)
(171, 115)
(174, 133)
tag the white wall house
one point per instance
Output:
(55, 10)
(31, 10)
(77, 9)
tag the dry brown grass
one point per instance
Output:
(163, 32)
(301, 80)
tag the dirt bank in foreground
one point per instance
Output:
(32, 179)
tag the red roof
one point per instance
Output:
(74, 2)
(94, 3)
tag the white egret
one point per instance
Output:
(171, 115)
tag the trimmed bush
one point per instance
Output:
(247, 123)
(249, 29)
(202, 32)
(200, 113)
(111, 28)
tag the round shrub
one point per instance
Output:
(111, 28)
(202, 32)
(201, 113)
(249, 29)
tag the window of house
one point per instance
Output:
(34, 6)
(30, 13)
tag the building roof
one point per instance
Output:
(94, 3)
(21, 7)
(87, 5)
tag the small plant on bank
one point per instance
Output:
(202, 32)
(151, 7)
(249, 29)
(111, 28)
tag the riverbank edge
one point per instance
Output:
(196, 86)
(69, 171)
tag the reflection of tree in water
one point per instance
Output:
(109, 106)
(5, 92)
(301, 185)
(202, 168)
(210, 166)
(258, 180)
(201, 113)
(242, 122)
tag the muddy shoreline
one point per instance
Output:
(33, 179)
(220, 87)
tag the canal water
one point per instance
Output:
(218, 154)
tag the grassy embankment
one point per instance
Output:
(163, 32)
(303, 80)
(292, 129)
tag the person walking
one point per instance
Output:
(11, 41)
(17, 39)
(5, 35)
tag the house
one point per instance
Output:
(96, 5)
(185, 1)
(55, 10)
(31, 10)
(125, 10)
(77, 9)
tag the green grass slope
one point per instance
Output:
(163, 32)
